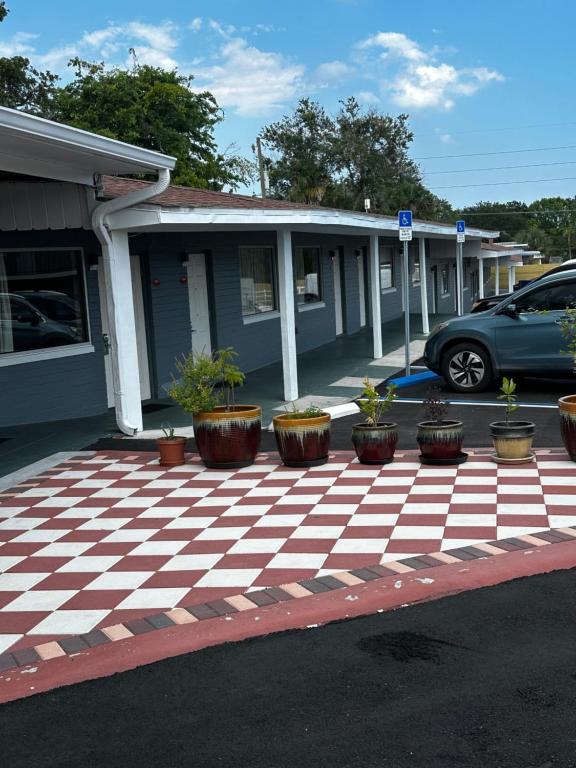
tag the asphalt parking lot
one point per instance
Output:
(481, 679)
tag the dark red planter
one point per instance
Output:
(440, 442)
(302, 442)
(567, 407)
(228, 438)
(375, 444)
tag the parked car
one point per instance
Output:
(481, 305)
(56, 306)
(520, 335)
(24, 327)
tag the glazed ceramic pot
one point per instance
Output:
(440, 440)
(513, 440)
(375, 444)
(228, 438)
(171, 451)
(302, 442)
(567, 407)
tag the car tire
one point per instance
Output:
(466, 367)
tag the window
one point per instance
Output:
(444, 281)
(387, 272)
(257, 283)
(416, 267)
(42, 301)
(552, 298)
(307, 275)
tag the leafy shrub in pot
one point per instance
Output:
(512, 439)
(440, 439)
(375, 440)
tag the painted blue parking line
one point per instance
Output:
(415, 378)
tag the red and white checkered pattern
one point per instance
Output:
(119, 537)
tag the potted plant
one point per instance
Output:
(440, 439)
(512, 439)
(375, 440)
(171, 447)
(303, 437)
(227, 435)
(567, 404)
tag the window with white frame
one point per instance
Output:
(257, 280)
(444, 281)
(307, 277)
(415, 266)
(42, 300)
(387, 271)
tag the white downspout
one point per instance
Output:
(102, 232)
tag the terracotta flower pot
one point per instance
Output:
(375, 444)
(171, 451)
(302, 442)
(228, 438)
(567, 407)
(513, 440)
(440, 441)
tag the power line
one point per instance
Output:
(506, 183)
(502, 152)
(493, 130)
(499, 168)
(514, 213)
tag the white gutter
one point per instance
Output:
(101, 228)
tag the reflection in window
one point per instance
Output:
(257, 284)
(41, 300)
(416, 267)
(307, 275)
(444, 281)
(387, 276)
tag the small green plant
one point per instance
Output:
(206, 381)
(372, 405)
(567, 325)
(168, 431)
(435, 406)
(311, 412)
(508, 393)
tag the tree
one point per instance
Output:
(155, 109)
(342, 161)
(21, 85)
(509, 218)
(304, 161)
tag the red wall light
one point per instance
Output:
(155, 282)
(183, 279)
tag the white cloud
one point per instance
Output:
(18, 45)
(415, 78)
(332, 71)
(224, 30)
(367, 97)
(196, 24)
(251, 81)
(446, 138)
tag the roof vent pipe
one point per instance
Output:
(102, 231)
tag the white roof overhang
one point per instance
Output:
(36, 147)
(328, 221)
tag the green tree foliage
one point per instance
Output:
(341, 161)
(499, 216)
(155, 109)
(21, 85)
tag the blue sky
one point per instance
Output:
(475, 78)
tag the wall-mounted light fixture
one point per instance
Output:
(358, 253)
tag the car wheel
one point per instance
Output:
(467, 368)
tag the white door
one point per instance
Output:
(199, 305)
(140, 332)
(338, 294)
(361, 290)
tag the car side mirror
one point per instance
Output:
(510, 309)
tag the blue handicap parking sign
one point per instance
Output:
(461, 226)
(404, 218)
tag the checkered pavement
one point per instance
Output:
(116, 537)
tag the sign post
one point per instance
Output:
(460, 239)
(405, 235)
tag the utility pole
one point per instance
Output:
(261, 170)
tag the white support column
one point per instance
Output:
(497, 277)
(480, 277)
(122, 331)
(511, 277)
(423, 286)
(287, 316)
(373, 258)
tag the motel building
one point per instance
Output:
(105, 280)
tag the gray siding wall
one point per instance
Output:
(66, 387)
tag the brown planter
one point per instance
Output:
(375, 444)
(302, 442)
(228, 438)
(440, 441)
(171, 451)
(567, 406)
(513, 440)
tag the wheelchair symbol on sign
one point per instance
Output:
(405, 221)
